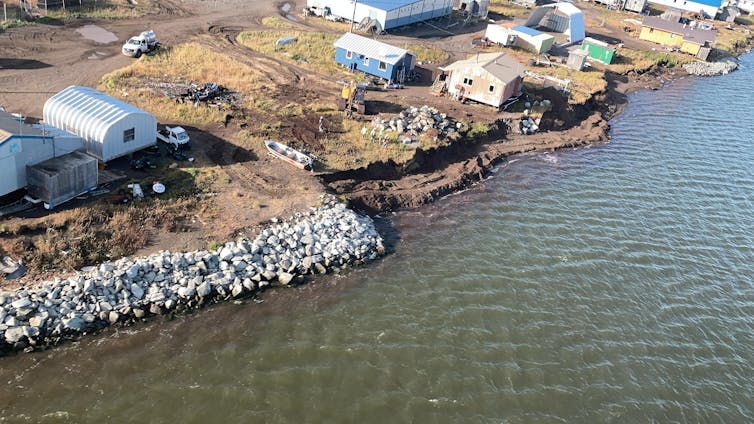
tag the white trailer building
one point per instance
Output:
(22, 146)
(384, 14)
(110, 128)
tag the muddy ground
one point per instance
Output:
(39, 60)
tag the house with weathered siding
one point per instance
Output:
(489, 78)
(373, 57)
(694, 41)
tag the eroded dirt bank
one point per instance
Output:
(435, 173)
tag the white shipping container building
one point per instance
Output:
(23, 145)
(386, 13)
(110, 128)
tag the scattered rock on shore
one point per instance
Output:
(707, 69)
(324, 239)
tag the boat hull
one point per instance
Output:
(289, 155)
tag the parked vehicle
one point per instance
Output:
(294, 157)
(174, 136)
(140, 44)
(317, 11)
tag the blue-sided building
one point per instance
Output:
(709, 7)
(373, 57)
(382, 15)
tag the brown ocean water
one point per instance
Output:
(602, 284)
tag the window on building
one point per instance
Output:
(366, 61)
(349, 54)
(492, 88)
(468, 81)
(129, 135)
(672, 35)
(382, 66)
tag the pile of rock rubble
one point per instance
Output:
(708, 69)
(528, 125)
(324, 239)
(415, 121)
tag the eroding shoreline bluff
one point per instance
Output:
(325, 239)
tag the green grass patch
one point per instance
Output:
(191, 62)
(312, 50)
(121, 9)
(477, 130)
(507, 8)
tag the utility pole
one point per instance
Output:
(5, 11)
(353, 17)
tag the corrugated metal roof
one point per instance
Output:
(500, 65)
(387, 4)
(370, 48)
(85, 111)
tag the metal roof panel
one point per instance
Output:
(370, 48)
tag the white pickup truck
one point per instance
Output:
(176, 137)
(140, 44)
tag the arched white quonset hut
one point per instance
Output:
(110, 128)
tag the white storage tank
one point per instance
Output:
(110, 128)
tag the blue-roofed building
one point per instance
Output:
(709, 7)
(373, 57)
(381, 15)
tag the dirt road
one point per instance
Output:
(40, 60)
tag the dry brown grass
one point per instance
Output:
(583, 84)
(507, 8)
(350, 150)
(734, 39)
(629, 60)
(188, 62)
(89, 235)
(108, 229)
(425, 53)
(312, 50)
(108, 9)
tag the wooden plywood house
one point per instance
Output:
(489, 78)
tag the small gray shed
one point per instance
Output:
(60, 179)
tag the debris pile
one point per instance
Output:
(708, 69)
(210, 93)
(528, 124)
(415, 121)
(324, 239)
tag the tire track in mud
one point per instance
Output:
(273, 68)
